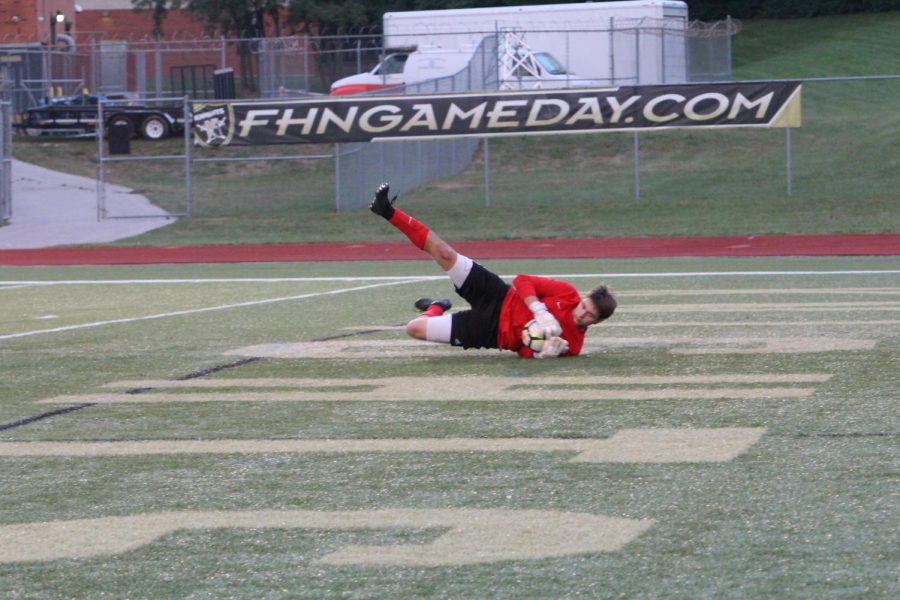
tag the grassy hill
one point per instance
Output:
(844, 159)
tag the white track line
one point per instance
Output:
(410, 278)
(351, 279)
(193, 311)
(5, 286)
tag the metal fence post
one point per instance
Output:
(306, 63)
(157, 67)
(612, 52)
(637, 57)
(188, 181)
(637, 167)
(5, 162)
(789, 162)
(728, 35)
(101, 173)
(337, 179)
(487, 173)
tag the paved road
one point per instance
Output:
(56, 209)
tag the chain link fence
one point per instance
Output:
(645, 51)
(360, 167)
(847, 147)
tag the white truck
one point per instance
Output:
(519, 67)
(634, 42)
(406, 65)
(605, 43)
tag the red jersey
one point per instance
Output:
(560, 297)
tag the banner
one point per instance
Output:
(368, 118)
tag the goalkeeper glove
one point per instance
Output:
(553, 347)
(547, 323)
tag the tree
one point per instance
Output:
(246, 19)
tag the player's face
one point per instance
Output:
(585, 313)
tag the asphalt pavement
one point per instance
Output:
(57, 209)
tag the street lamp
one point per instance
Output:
(58, 18)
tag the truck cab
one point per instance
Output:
(406, 66)
(540, 70)
(520, 68)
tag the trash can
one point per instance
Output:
(119, 138)
(223, 83)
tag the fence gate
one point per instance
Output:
(5, 162)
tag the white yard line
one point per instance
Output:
(850, 323)
(193, 311)
(879, 291)
(731, 274)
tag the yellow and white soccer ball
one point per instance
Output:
(532, 336)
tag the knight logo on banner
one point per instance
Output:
(213, 124)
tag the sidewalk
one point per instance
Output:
(56, 209)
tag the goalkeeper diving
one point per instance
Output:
(499, 311)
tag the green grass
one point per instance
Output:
(846, 161)
(808, 511)
(841, 46)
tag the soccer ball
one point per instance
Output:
(532, 336)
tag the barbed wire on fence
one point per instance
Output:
(728, 27)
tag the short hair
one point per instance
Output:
(604, 300)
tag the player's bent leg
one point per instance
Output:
(459, 271)
(431, 329)
(442, 252)
(417, 328)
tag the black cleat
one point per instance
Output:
(380, 205)
(422, 304)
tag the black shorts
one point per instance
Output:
(478, 326)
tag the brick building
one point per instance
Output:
(36, 21)
(105, 45)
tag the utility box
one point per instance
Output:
(223, 83)
(119, 138)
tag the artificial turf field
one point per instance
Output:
(266, 431)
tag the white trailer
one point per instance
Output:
(617, 43)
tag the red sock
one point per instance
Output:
(415, 230)
(434, 310)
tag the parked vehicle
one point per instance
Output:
(77, 116)
(519, 68)
(406, 65)
(637, 42)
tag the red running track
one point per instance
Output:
(879, 244)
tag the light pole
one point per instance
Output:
(58, 19)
